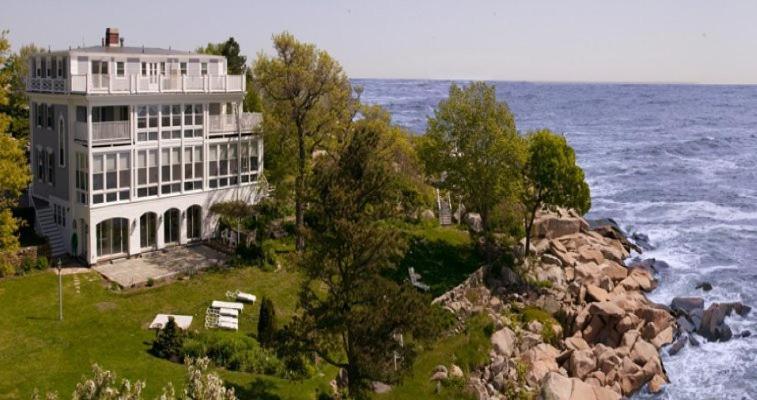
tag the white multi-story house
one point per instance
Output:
(130, 146)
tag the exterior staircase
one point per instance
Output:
(445, 208)
(49, 229)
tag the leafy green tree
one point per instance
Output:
(13, 75)
(235, 65)
(169, 341)
(14, 172)
(551, 178)
(472, 146)
(352, 313)
(266, 322)
(307, 101)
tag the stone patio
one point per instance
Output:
(159, 265)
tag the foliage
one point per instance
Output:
(548, 333)
(168, 342)
(551, 178)
(266, 323)
(351, 313)
(472, 147)
(307, 101)
(475, 352)
(235, 65)
(42, 263)
(234, 351)
(204, 385)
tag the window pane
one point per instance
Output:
(97, 163)
(124, 179)
(111, 179)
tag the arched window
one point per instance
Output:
(171, 226)
(61, 142)
(147, 228)
(113, 237)
(194, 223)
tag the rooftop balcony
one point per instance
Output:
(227, 123)
(136, 84)
(104, 132)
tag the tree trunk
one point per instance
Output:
(529, 226)
(299, 192)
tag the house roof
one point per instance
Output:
(138, 50)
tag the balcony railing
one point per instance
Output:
(108, 131)
(111, 84)
(227, 123)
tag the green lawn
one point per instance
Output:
(38, 351)
(110, 328)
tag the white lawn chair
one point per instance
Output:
(415, 280)
(241, 297)
(227, 304)
(228, 312)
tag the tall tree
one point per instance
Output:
(307, 99)
(551, 178)
(351, 313)
(235, 65)
(14, 172)
(472, 146)
(13, 75)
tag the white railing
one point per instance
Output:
(107, 131)
(99, 83)
(224, 123)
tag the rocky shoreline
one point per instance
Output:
(597, 335)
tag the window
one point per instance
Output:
(112, 237)
(171, 226)
(62, 67)
(193, 120)
(144, 68)
(183, 68)
(120, 69)
(170, 165)
(82, 177)
(41, 159)
(51, 168)
(147, 228)
(249, 161)
(38, 66)
(147, 123)
(194, 222)
(223, 165)
(170, 122)
(163, 68)
(45, 71)
(61, 143)
(147, 173)
(50, 116)
(204, 68)
(53, 67)
(37, 109)
(59, 215)
(111, 177)
(193, 167)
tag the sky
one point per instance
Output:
(672, 41)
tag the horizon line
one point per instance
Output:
(560, 82)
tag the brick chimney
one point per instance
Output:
(111, 37)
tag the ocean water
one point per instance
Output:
(677, 162)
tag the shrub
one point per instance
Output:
(6, 268)
(233, 351)
(42, 263)
(169, 342)
(150, 282)
(266, 323)
(478, 343)
(545, 319)
(27, 264)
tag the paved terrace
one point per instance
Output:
(160, 265)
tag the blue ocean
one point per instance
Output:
(676, 162)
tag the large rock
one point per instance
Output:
(556, 387)
(550, 225)
(589, 253)
(687, 305)
(613, 270)
(503, 342)
(473, 221)
(581, 363)
(713, 325)
(596, 293)
(540, 360)
(606, 309)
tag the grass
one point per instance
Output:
(444, 256)
(110, 328)
(468, 350)
(100, 326)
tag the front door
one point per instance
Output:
(151, 74)
(171, 227)
(147, 229)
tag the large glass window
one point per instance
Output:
(147, 173)
(249, 161)
(170, 164)
(170, 124)
(82, 178)
(193, 167)
(41, 160)
(62, 143)
(171, 226)
(193, 120)
(147, 123)
(111, 177)
(194, 222)
(147, 229)
(223, 165)
(113, 237)
(51, 168)
(50, 116)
